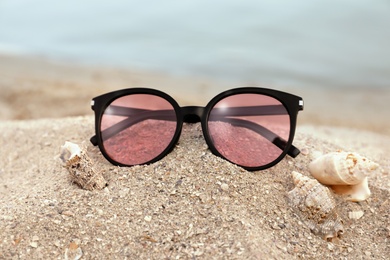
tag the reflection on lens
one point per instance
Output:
(137, 128)
(250, 130)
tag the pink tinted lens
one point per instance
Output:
(249, 129)
(137, 128)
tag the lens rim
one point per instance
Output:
(289, 101)
(101, 103)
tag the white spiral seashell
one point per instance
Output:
(316, 206)
(346, 172)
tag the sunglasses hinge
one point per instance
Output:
(301, 104)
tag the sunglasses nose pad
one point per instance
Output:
(191, 118)
(192, 114)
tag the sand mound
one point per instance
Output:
(190, 204)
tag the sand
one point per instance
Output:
(191, 204)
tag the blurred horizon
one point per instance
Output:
(335, 43)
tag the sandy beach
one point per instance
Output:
(189, 205)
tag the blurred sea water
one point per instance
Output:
(333, 43)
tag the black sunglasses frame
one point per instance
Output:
(195, 114)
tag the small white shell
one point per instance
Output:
(73, 252)
(345, 172)
(316, 206)
(80, 167)
(355, 214)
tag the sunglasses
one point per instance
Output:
(250, 127)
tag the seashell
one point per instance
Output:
(73, 252)
(347, 173)
(358, 192)
(80, 167)
(355, 214)
(341, 168)
(316, 206)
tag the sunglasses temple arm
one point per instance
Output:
(258, 111)
(266, 133)
(166, 115)
(266, 110)
(233, 111)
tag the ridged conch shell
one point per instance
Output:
(316, 206)
(80, 167)
(347, 173)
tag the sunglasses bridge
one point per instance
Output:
(192, 114)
